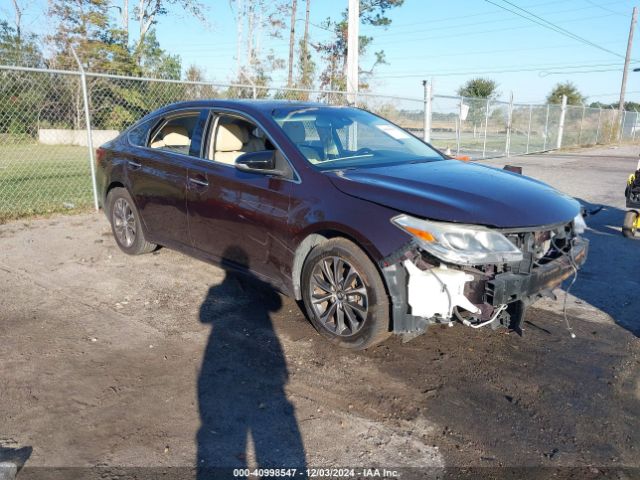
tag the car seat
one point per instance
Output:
(229, 144)
(173, 137)
(298, 135)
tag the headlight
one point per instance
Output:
(579, 225)
(460, 244)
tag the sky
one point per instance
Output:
(446, 41)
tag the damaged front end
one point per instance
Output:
(476, 275)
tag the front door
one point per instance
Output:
(238, 218)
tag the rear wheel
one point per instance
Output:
(125, 223)
(344, 296)
(630, 225)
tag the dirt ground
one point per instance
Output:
(163, 361)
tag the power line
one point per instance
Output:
(514, 69)
(483, 14)
(480, 52)
(494, 30)
(550, 26)
(550, 66)
(458, 26)
(597, 95)
(603, 7)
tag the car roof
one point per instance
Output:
(264, 106)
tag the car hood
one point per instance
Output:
(456, 191)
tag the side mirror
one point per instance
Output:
(258, 162)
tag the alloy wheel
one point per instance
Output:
(338, 296)
(124, 222)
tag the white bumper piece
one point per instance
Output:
(437, 291)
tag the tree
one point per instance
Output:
(253, 18)
(21, 93)
(334, 51)
(574, 97)
(628, 106)
(306, 66)
(479, 88)
(292, 40)
(18, 16)
(148, 11)
(156, 62)
(198, 90)
(16, 49)
(84, 25)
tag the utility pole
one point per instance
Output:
(627, 59)
(292, 40)
(352, 50)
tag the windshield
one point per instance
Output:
(340, 137)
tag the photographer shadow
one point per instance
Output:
(241, 383)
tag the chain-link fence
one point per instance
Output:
(45, 153)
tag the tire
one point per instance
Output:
(353, 315)
(125, 223)
(629, 225)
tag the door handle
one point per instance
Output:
(200, 182)
(134, 165)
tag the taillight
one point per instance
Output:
(101, 153)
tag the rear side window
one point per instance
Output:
(175, 134)
(138, 135)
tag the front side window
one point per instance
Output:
(336, 137)
(234, 136)
(175, 134)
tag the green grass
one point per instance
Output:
(42, 179)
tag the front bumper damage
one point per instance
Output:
(425, 291)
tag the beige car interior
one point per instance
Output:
(174, 137)
(233, 140)
(298, 135)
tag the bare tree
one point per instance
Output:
(18, 16)
(306, 66)
(253, 19)
(292, 39)
(306, 25)
(148, 11)
(124, 15)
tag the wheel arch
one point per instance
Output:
(111, 186)
(313, 239)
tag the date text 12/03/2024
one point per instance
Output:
(316, 473)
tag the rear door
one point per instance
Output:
(157, 175)
(239, 218)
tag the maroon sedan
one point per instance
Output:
(373, 229)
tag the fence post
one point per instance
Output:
(529, 129)
(546, 130)
(584, 109)
(614, 118)
(507, 146)
(486, 125)
(621, 132)
(563, 112)
(87, 120)
(635, 123)
(598, 127)
(459, 126)
(426, 134)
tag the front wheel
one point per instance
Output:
(344, 296)
(630, 225)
